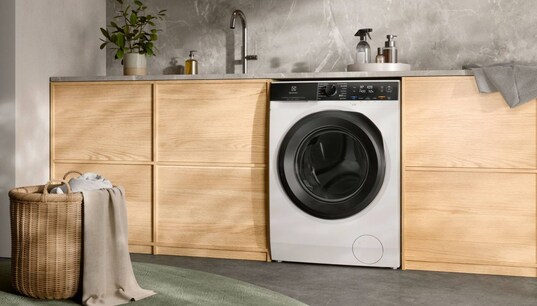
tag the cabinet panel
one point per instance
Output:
(136, 179)
(102, 122)
(223, 122)
(212, 208)
(474, 218)
(448, 123)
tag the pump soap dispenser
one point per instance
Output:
(191, 65)
(390, 50)
(363, 50)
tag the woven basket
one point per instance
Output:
(46, 235)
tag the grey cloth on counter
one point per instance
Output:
(108, 278)
(516, 83)
(86, 181)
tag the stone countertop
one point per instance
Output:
(273, 76)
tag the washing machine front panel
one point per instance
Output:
(370, 237)
(331, 163)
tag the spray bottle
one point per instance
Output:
(363, 50)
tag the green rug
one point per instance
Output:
(175, 286)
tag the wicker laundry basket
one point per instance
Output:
(46, 235)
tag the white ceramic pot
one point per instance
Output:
(134, 64)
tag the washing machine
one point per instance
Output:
(334, 172)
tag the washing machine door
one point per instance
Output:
(331, 163)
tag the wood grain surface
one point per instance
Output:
(448, 123)
(212, 122)
(102, 122)
(136, 179)
(211, 207)
(472, 218)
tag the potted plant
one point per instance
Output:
(133, 33)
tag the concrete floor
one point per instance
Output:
(342, 286)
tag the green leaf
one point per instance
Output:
(139, 3)
(120, 53)
(114, 24)
(120, 40)
(151, 23)
(120, 1)
(154, 36)
(105, 33)
(103, 45)
(113, 38)
(133, 18)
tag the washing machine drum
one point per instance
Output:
(331, 163)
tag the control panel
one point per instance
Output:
(335, 91)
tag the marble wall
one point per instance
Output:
(318, 35)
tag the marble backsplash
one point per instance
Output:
(318, 35)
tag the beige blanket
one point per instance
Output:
(107, 277)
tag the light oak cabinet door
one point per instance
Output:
(101, 122)
(136, 179)
(219, 208)
(471, 218)
(469, 179)
(450, 124)
(214, 122)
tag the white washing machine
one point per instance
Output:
(334, 174)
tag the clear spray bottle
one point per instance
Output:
(363, 50)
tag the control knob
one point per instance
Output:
(330, 90)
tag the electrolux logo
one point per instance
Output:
(293, 90)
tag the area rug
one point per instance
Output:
(175, 286)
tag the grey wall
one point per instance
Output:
(7, 118)
(54, 38)
(318, 35)
(39, 39)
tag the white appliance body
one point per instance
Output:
(370, 237)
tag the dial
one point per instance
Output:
(330, 90)
(389, 89)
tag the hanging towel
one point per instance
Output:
(107, 278)
(516, 83)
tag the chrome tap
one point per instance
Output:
(244, 55)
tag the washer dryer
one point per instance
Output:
(334, 172)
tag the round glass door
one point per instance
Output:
(331, 163)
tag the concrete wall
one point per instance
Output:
(7, 118)
(40, 39)
(318, 35)
(54, 38)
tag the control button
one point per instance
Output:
(330, 90)
(389, 89)
(354, 97)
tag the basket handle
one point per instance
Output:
(71, 172)
(52, 182)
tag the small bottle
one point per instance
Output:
(191, 65)
(363, 50)
(390, 50)
(380, 56)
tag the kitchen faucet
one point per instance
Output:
(244, 57)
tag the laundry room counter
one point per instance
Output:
(273, 76)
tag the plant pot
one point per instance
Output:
(134, 64)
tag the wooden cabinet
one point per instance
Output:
(190, 154)
(137, 181)
(449, 124)
(469, 179)
(220, 208)
(207, 122)
(96, 121)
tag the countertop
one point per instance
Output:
(273, 76)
